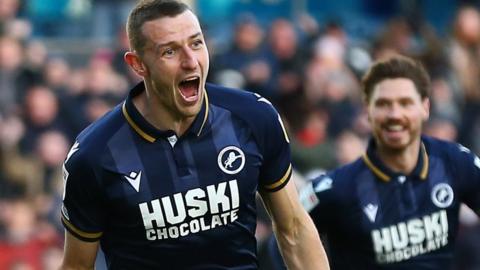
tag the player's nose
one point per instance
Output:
(189, 59)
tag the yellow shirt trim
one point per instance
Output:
(374, 169)
(135, 127)
(206, 114)
(282, 180)
(79, 232)
(384, 177)
(424, 172)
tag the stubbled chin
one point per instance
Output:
(190, 106)
(390, 140)
(395, 142)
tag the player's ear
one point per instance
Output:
(366, 112)
(426, 108)
(134, 61)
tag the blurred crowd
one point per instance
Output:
(309, 70)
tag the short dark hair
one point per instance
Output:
(148, 10)
(392, 67)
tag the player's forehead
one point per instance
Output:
(172, 29)
(395, 88)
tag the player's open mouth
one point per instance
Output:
(189, 88)
(394, 131)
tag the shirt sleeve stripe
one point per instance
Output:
(280, 183)
(90, 237)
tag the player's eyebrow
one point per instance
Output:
(198, 34)
(170, 43)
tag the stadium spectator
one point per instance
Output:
(26, 238)
(41, 113)
(312, 148)
(464, 55)
(348, 147)
(108, 21)
(11, 61)
(287, 61)
(246, 57)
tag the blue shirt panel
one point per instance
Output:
(411, 219)
(152, 204)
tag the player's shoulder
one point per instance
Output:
(241, 103)
(349, 173)
(330, 188)
(229, 97)
(341, 179)
(91, 143)
(451, 152)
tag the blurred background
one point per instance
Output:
(61, 67)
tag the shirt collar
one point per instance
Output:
(374, 163)
(150, 133)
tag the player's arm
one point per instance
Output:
(297, 237)
(82, 211)
(78, 254)
(468, 164)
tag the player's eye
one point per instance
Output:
(168, 52)
(406, 102)
(381, 103)
(197, 44)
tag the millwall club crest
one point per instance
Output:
(231, 160)
(442, 195)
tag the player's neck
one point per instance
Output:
(160, 117)
(401, 161)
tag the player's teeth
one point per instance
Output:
(395, 128)
(191, 79)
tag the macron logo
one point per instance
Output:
(134, 179)
(371, 211)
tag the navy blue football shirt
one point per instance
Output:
(374, 218)
(158, 201)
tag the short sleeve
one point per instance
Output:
(82, 209)
(468, 168)
(276, 168)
